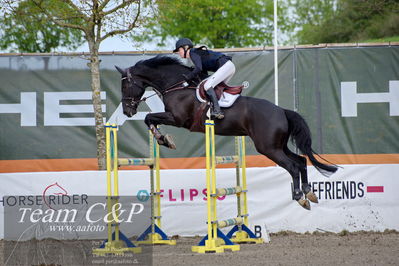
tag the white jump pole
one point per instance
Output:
(275, 54)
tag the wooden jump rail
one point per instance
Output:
(216, 240)
(117, 242)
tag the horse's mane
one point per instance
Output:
(160, 60)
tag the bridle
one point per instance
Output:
(132, 103)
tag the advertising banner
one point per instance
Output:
(357, 197)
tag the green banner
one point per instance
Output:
(349, 97)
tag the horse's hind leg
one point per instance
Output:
(306, 188)
(283, 160)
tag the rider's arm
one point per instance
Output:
(197, 65)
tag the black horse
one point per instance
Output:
(268, 125)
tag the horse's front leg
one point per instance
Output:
(152, 120)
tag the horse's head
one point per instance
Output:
(159, 72)
(133, 89)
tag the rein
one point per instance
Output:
(175, 87)
(172, 88)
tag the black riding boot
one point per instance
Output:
(215, 111)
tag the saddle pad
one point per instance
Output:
(226, 99)
(226, 95)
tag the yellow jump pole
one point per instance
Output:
(209, 244)
(209, 172)
(113, 244)
(213, 180)
(241, 232)
(215, 241)
(243, 166)
(158, 183)
(152, 189)
(109, 157)
(237, 143)
(114, 130)
(154, 235)
(242, 209)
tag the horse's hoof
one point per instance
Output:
(169, 142)
(297, 194)
(312, 197)
(304, 203)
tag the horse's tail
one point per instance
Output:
(301, 137)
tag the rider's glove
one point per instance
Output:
(186, 80)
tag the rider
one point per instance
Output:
(206, 60)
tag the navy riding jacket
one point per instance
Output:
(205, 60)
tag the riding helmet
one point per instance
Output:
(183, 42)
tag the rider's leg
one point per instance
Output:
(224, 73)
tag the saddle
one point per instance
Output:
(219, 89)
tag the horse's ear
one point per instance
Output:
(120, 70)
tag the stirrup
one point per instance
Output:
(218, 115)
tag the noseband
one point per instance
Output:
(132, 103)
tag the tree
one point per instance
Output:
(216, 23)
(332, 21)
(307, 16)
(97, 20)
(27, 30)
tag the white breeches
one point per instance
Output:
(225, 73)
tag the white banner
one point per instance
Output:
(357, 197)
